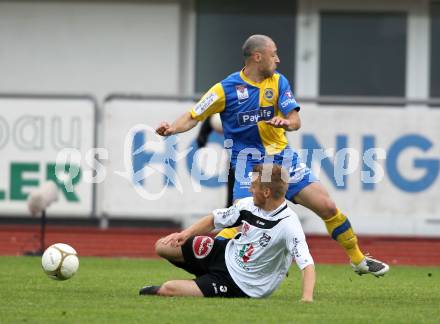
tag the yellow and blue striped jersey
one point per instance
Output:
(244, 105)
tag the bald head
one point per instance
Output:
(260, 57)
(253, 44)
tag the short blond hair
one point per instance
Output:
(278, 182)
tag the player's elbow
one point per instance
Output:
(310, 268)
(294, 125)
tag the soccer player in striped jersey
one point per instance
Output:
(250, 265)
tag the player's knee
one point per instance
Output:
(167, 252)
(160, 249)
(328, 208)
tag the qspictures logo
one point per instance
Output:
(144, 157)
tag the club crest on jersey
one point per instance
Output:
(264, 240)
(202, 246)
(268, 94)
(242, 92)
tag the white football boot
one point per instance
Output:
(370, 265)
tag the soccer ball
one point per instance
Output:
(216, 123)
(60, 261)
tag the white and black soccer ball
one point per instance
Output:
(60, 261)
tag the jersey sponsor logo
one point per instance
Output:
(202, 246)
(268, 94)
(290, 100)
(242, 93)
(287, 102)
(246, 252)
(264, 240)
(240, 262)
(254, 116)
(260, 222)
(205, 103)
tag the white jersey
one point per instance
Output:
(258, 260)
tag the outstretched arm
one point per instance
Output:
(308, 283)
(182, 124)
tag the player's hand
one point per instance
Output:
(306, 300)
(174, 239)
(278, 122)
(165, 129)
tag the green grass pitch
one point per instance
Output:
(106, 291)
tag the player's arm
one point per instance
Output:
(202, 226)
(289, 108)
(291, 122)
(182, 124)
(308, 283)
(297, 246)
(305, 262)
(212, 102)
(219, 218)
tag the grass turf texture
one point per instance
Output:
(106, 290)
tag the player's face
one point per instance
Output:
(269, 60)
(257, 191)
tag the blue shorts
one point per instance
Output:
(300, 177)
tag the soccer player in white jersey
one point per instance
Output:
(254, 263)
(257, 107)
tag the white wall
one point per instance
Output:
(33, 132)
(89, 47)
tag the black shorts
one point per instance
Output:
(205, 258)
